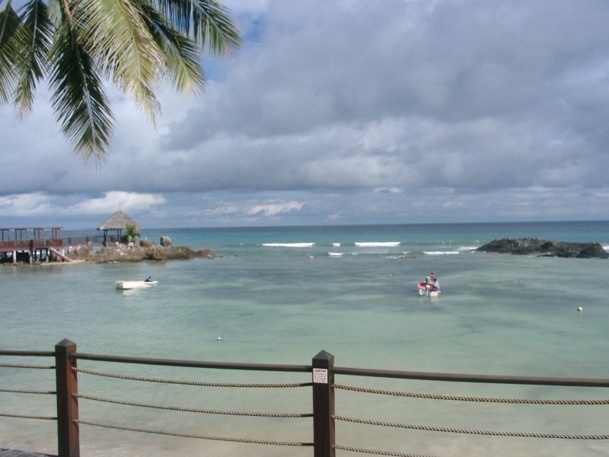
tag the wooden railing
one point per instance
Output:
(33, 244)
(323, 385)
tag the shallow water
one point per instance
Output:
(281, 295)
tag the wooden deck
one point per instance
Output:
(34, 238)
(12, 453)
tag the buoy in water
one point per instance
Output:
(219, 338)
(579, 309)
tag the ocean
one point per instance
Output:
(283, 294)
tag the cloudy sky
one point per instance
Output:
(349, 112)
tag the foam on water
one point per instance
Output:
(288, 245)
(377, 244)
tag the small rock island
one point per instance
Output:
(529, 246)
(45, 245)
(132, 252)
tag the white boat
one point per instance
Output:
(126, 285)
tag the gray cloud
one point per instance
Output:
(469, 102)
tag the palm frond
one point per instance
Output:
(213, 28)
(134, 43)
(78, 96)
(39, 33)
(206, 22)
(117, 35)
(12, 40)
(181, 54)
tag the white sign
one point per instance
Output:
(320, 376)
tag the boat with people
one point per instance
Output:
(127, 285)
(430, 286)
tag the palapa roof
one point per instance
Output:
(117, 221)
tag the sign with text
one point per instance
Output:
(320, 376)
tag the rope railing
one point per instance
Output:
(464, 431)
(34, 367)
(193, 435)
(26, 391)
(25, 416)
(377, 451)
(518, 401)
(32, 392)
(192, 383)
(190, 409)
(323, 387)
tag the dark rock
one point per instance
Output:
(166, 241)
(527, 246)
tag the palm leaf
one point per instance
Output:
(11, 42)
(39, 36)
(135, 43)
(213, 28)
(116, 34)
(206, 22)
(181, 54)
(78, 96)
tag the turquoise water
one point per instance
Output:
(280, 295)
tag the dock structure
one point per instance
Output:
(30, 244)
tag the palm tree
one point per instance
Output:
(132, 231)
(135, 44)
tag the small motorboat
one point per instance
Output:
(427, 289)
(430, 287)
(127, 285)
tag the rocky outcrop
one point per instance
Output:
(528, 246)
(145, 242)
(131, 252)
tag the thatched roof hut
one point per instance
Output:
(117, 222)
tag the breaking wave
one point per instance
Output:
(288, 245)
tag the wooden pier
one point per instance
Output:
(36, 244)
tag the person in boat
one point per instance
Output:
(148, 279)
(435, 284)
(427, 284)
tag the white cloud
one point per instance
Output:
(273, 209)
(25, 204)
(222, 211)
(42, 206)
(388, 190)
(113, 201)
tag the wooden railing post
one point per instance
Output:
(323, 405)
(68, 441)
